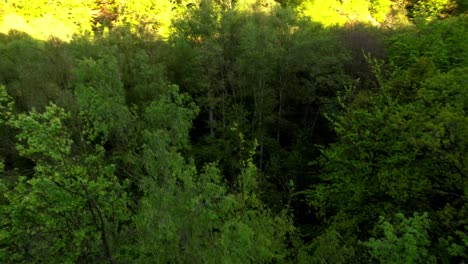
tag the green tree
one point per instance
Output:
(327, 248)
(36, 72)
(189, 216)
(73, 208)
(405, 242)
(440, 41)
(391, 157)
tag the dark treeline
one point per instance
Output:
(250, 131)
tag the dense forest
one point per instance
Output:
(234, 131)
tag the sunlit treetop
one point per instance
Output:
(41, 19)
(341, 12)
(64, 19)
(255, 5)
(390, 13)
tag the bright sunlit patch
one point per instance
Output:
(44, 19)
(14, 21)
(40, 28)
(338, 13)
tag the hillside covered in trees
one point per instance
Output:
(233, 131)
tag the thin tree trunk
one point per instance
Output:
(104, 236)
(210, 110)
(223, 86)
(92, 206)
(280, 110)
(260, 124)
(211, 120)
(317, 113)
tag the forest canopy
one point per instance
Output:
(233, 131)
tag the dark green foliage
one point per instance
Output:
(398, 151)
(35, 72)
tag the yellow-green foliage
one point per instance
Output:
(63, 19)
(337, 13)
(42, 19)
(153, 16)
(323, 11)
(380, 8)
(431, 9)
(255, 5)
